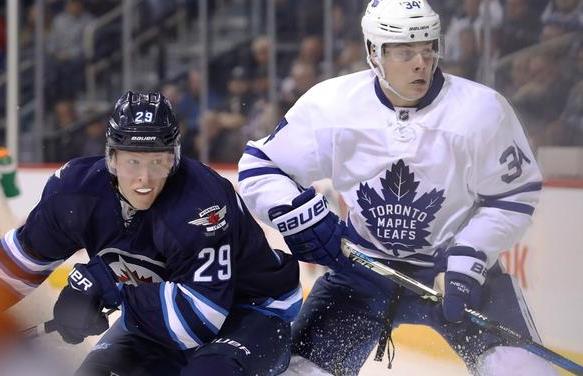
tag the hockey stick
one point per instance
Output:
(48, 327)
(477, 318)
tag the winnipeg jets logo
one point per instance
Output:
(212, 218)
(132, 268)
(397, 219)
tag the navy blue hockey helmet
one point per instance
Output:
(143, 122)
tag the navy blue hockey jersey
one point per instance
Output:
(185, 262)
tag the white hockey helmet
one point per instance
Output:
(396, 21)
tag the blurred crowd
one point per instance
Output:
(536, 47)
(535, 52)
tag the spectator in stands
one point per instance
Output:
(65, 49)
(311, 51)
(309, 14)
(67, 142)
(2, 40)
(188, 141)
(188, 111)
(261, 118)
(466, 63)
(540, 100)
(172, 93)
(568, 13)
(518, 75)
(301, 78)
(343, 12)
(93, 142)
(351, 58)
(188, 106)
(554, 28)
(568, 129)
(27, 33)
(223, 126)
(521, 27)
(458, 38)
(257, 67)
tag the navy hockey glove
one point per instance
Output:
(311, 231)
(464, 277)
(78, 310)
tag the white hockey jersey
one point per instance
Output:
(457, 168)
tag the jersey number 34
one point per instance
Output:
(513, 157)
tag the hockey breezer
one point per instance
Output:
(351, 251)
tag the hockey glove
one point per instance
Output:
(311, 231)
(8, 174)
(464, 277)
(78, 310)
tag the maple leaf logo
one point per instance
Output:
(396, 219)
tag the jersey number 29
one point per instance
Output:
(222, 271)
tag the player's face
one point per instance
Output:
(141, 176)
(408, 68)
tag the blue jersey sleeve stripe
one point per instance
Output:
(174, 326)
(191, 335)
(529, 187)
(123, 316)
(14, 250)
(14, 271)
(287, 315)
(291, 294)
(166, 319)
(13, 236)
(287, 306)
(259, 171)
(510, 206)
(286, 301)
(251, 150)
(200, 315)
(204, 299)
(206, 308)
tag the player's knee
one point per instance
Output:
(512, 361)
(213, 364)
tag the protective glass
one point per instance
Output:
(133, 164)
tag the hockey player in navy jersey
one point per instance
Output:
(171, 244)
(438, 178)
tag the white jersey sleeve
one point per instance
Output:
(507, 181)
(273, 170)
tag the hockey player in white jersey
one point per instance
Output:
(438, 178)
